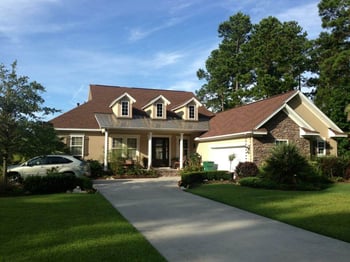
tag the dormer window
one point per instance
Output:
(191, 112)
(157, 107)
(160, 110)
(188, 110)
(122, 106)
(125, 108)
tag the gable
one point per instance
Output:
(250, 119)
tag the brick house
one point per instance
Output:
(160, 127)
(250, 131)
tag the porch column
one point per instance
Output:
(149, 150)
(105, 157)
(181, 150)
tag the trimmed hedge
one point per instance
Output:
(197, 177)
(55, 183)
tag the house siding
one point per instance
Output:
(279, 127)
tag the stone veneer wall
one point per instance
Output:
(279, 127)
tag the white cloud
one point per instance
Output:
(26, 16)
(306, 16)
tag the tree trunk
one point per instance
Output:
(4, 170)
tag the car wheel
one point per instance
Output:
(14, 177)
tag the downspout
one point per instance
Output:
(105, 157)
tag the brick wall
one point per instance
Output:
(279, 127)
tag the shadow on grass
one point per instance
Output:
(68, 227)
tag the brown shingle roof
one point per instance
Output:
(100, 97)
(246, 118)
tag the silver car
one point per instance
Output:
(42, 165)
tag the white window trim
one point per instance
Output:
(83, 143)
(321, 140)
(279, 141)
(124, 141)
(156, 113)
(121, 108)
(194, 112)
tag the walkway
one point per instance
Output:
(185, 227)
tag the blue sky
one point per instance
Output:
(68, 44)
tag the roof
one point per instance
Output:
(251, 118)
(101, 97)
(247, 118)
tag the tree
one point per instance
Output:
(278, 56)
(253, 62)
(331, 56)
(20, 108)
(226, 72)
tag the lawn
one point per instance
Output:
(68, 227)
(326, 212)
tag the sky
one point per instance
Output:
(66, 45)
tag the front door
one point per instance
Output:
(160, 151)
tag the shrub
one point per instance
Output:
(193, 163)
(332, 166)
(96, 168)
(246, 169)
(258, 182)
(287, 166)
(197, 177)
(55, 183)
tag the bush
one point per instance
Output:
(258, 182)
(246, 169)
(287, 166)
(197, 177)
(55, 183)
(96, 168)
(332, 166)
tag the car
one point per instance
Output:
(42, 165)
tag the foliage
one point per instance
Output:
(287, 166)
(246, 169)
(332, 166)
(193, 163)
(96, 168)
(331, 59)
(328, 215)
(55, 183)
(253, 61)
(65, 227)
(20, 108)
(189, 179)
(226, 71)
(258, 182)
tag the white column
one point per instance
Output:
(105, 157)
(149, 150)
(181, 150)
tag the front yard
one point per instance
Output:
(68, 227)
(326, 212)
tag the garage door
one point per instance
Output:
(220, 155)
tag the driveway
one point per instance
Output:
(186, 227)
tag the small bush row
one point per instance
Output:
(55, 183)
(331, 166)
(197, 177)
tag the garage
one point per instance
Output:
(220, 156)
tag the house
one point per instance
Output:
(157, 127)
(149, 126)
(250, 131)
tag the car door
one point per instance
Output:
(35, 166)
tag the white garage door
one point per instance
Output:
(220, 155)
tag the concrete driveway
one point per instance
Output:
(185, 227)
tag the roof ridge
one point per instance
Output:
(142, 88)
(258, 101)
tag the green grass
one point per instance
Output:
(68, 227)
(326, 212)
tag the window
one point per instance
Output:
(191, 112)
(321, 147)
(125, 147)
(77, 145)
(281, 141)
(159, 110)
(125, 108)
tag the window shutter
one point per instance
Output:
(86, 145)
